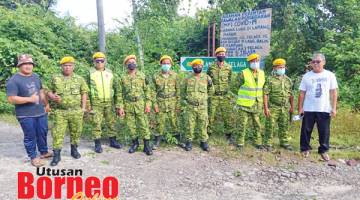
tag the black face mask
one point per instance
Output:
(220, 58)
(131, 66)
(197, 70)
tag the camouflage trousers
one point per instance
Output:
(197, 115)
(137, 120)
(220, 106)
(279, 116)
(101, 113)
(242, 126)
(162, 118)
(63, 119)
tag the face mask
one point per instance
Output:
(220, 58)
(255, 65)
(131, 66)
(197, 70)
(280, 72)
(165, 67)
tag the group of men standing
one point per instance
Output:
(203, 97)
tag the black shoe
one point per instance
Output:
(74, 152)
(98, 148)
(157, 140)
(147, 148)
(287, 147)
(259, 146)
(229, 138)
(177, 137)
(268, 147)
(188, 146)
(114, 143)
(134, 146)
(204, 146)
(57, 158)
(240, 147)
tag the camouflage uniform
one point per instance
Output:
(68, 112)
(102, 96)
(167, 99)
(244, 113)
(279, 89)
(195, 94)
(134, 95)
(220, 102)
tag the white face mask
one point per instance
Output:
(255, 65)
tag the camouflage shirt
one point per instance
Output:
(70, 89)
(279, 89)
(167, 90)
(221, 77)
(195, 91)
(133, 89)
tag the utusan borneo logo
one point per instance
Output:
(51, 183)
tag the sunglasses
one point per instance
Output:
(316, 61)
(99, 61)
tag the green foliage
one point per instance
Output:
(5, 107)
(299, 28)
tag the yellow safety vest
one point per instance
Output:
(251, 91)
(101, 85)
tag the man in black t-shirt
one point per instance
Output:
(24, 90)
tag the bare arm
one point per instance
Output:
(333, 97)
(301, 102)
(23, 100)
(266, 105)
(44, 97)
(83, 101)
(291, 99)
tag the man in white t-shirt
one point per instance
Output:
(317, 103)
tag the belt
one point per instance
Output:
(163, 96)
(195, 103)
(133, 99)
(69, 108)
(220, 93)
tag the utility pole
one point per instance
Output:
(138, 40)
(101, 26)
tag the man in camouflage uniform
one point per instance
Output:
(278, 103)
(195, 91)
(134, 101)
(69, 93)
(219, 104)
(103, 89)
(250, 84)
(167, 101)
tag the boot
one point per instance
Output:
(56, 159)
(74, 152)
(114, 143)
(177, 137)
(98, 148)
(147, 148)
(157, 140)
(229, 138)
(134, 145)
(188, 146)
(204, 146)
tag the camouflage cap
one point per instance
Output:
(23, 59)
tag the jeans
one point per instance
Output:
(35, 134)
(322, 120)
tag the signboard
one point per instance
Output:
(237, 63)
(245, 33)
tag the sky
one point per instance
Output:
(115, 11)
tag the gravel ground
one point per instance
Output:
(175, 174)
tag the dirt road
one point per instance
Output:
(175, 174)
